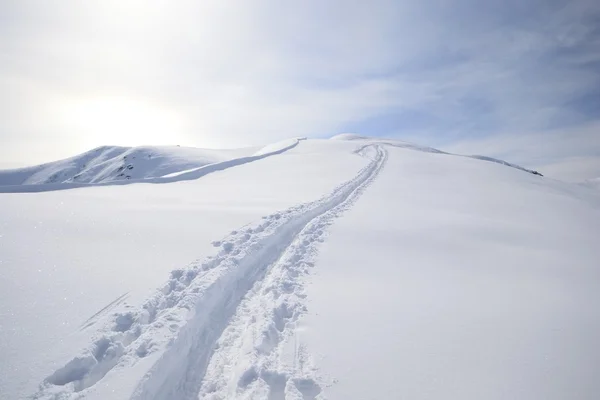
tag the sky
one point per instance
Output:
(519, 80)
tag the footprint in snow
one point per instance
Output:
(227, 246)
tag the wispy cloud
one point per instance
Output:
(79, 74)
(571, 153)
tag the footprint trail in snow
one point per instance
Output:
(224, 327)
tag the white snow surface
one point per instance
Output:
(349, 136)
(151, 170)
(456, 279)
(407, 145)
(354, 268)
(71, 254)
(113, 163)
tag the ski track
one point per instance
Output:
(247, 298)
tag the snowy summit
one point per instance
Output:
(350, 268)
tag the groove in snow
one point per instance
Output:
(178, 328)
(180, 372)
(259, 354)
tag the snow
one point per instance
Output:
(152, 171)
(110, 163)
(407, 145)
(277, 147)
(196, 173)
(309, 269)
(471, 281)
(349, 136)
(67, 254)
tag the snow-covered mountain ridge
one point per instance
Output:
(403, 144)
(138, 164)
(107, 164)
(110, 163)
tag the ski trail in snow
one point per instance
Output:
(260, 353)
(180, 372)
(177, 329)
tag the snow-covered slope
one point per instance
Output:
(70, 259)
(161, 166)
(110, 163)
(407, 145)
(340, 269)
(458, 279)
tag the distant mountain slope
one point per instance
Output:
(403, 144)
(111, 163)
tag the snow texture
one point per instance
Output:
(211, 291)
(414, 274)
(153, 165)
(109, 163)
(406, 145)
(67, 254)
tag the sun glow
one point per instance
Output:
(123, 121)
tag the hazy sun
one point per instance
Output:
(123, 121)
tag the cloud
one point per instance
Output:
(571, 154)
(230, 75)
(214, 74)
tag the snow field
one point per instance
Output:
(451, 277)
(210, 291)
(68, 254)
